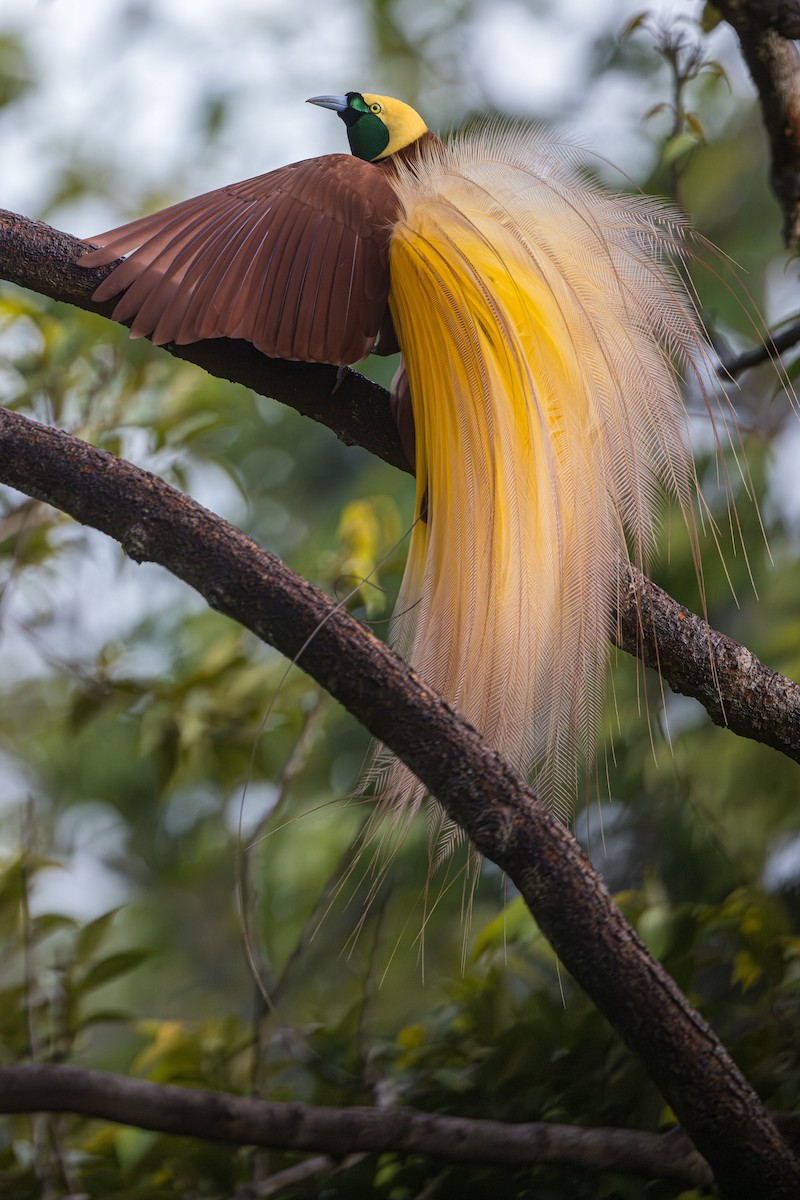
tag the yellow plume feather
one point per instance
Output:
(539, 319)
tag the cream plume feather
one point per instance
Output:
(544, 330)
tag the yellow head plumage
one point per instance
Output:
(377, 126)
(403, 123)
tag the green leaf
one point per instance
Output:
(510, 925)
(133, 1145)
(656, 928)
(92, 935)
(710, 18)
(113, 967)
(104, 1016)
(746, 970)
(48, 923)
(716, 71)
(676, 147)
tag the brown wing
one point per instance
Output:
(295, 262)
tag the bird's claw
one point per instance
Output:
(341, 375)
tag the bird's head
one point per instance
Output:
(377, 126)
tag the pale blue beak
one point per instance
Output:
(336, 103)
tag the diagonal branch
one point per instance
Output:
(41, 258)
(776, 343)
(505, 821)
(781, 15)
(735, 688)
(765, 29)
(339, 1132)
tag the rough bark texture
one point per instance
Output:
(503, 818)
(736, 689)
(39, 257)
(764, 30)
(343, 1131)
(781, 15)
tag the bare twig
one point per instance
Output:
(248, 902)
(776, 343)
(322, 1164)
(736, 689)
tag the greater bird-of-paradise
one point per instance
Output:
(541, 325)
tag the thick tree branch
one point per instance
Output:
(41, 258)
(734, 687)
(764, 31)
(343, 1131)
(503, 818)
(781, 15)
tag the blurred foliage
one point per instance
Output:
(143, 738)
(15, 71)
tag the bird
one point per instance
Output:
(545, 331)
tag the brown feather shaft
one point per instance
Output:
(180, 265)
(161, 262)
(290, 301)
(132, 237)
(231, 287)
(211, 257)
(286, 237)
(312, 276)
(316, 330)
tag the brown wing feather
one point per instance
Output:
(295, 261)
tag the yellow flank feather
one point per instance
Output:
(539, 320)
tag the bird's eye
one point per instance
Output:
(375, 108)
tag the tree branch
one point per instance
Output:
(733, 365)
(340, 1132)
(734, 687)
(36, 256)
(501, 815)
(781, 15)
(324, 1165)
(764, 30)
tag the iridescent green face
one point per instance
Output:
(367, 134)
